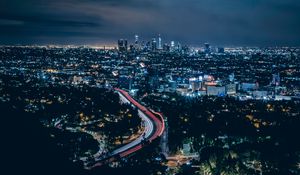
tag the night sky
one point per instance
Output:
(192, 22)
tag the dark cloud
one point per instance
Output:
(221, 22)
(46, 21)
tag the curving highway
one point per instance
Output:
(154, 128)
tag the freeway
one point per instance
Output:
(153, 125)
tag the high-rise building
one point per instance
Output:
(136, 39)
(172, 47)
(122, 45)
(137, 45)
(207, 48)
(153, 44)
(159, 42)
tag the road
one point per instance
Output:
(154, 127)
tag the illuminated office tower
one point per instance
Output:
(137, 45)
(153, 44)
(136, 39)
(172, 48)
(159, 42)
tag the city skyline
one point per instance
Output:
(150, 87)
(234, 23)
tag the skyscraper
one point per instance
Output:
(136, 39)
(137, 45)
(122, 45)
(153, 44)
(159, 42)
(207, 48)
(172, 48)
